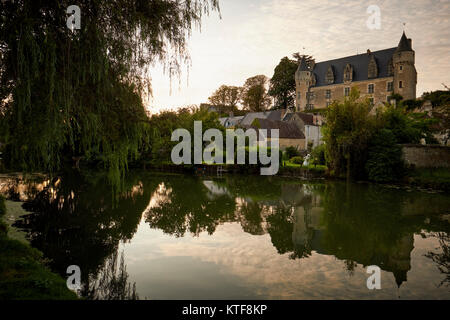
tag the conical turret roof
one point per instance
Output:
(303, 66)
(404, 44)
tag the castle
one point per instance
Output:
(377, 75)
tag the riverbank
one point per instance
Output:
(23, 274)
(429, 179)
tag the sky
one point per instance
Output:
(252, 36)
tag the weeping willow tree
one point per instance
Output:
(67, 94)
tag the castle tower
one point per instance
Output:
(303, 82)
(405, 74)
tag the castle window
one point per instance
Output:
(298, 95)
(371, 101)
(328, 104)
(400, 84)
(370, 88)
(346, 91)
(372, 68)
(401, 68)
(390, 86)
(330, 75)
(328, 94)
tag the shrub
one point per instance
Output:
(297, 160)
(2, 206)
(385, 157)
(3, 227)
(318, 155)
(291, 152)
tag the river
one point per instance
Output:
(237, 237)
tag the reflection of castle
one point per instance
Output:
(309, 233)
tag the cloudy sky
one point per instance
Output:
(253, 35)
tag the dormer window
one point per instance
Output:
(348, 73)
(390, 68)
(330, 75)
(372, 71)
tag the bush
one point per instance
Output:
(3, 226)
(291, 152)
(385, 157)
(2, 206)
(318, 155)
(297, 160)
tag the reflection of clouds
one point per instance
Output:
(271, 275)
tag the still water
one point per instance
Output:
(238, 237)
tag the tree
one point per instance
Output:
(309, 59)
(347, 133)
(282, 84)
(384, 157)
(226, 96)
(254, 94)
(68, 93)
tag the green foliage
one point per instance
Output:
(23, 275)
(254, 94)
(384, 161)
(318, 155)
(226, 96)
(346, 134)
(3, 226)
(2, 206)
(404, 127)
(66, 94)
(163, 124)
(297, 160)
(291, 152)
(282, 84)
(438, 98)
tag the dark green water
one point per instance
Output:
(238, 237)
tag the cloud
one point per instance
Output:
(254, 35)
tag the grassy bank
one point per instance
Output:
(433, 178)
(23, 274)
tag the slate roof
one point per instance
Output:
(271, 115)
(232, 120)
(308, 119)
(360, 64)
(404, 44)
(288, 130)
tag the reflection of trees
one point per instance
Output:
(111, 283)
(76, 220)
(182, 205)
(442, 259)
(250, 217)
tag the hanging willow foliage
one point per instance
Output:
(67, 94)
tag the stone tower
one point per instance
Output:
(303, 81)
(405, 74)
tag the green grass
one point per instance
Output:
(318, 168)
(439, 175)
(23, 274)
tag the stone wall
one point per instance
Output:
(426, 156)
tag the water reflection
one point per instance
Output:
(75, 220)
